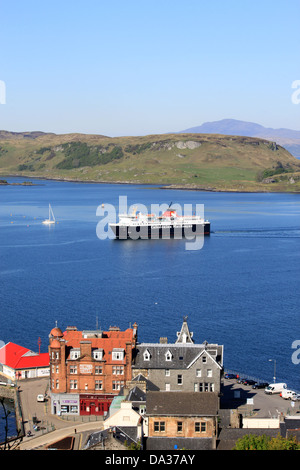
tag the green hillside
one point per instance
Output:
(200, 161)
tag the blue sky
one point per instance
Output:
(143, 67)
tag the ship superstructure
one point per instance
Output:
(169, 225)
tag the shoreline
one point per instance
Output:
(169, 186)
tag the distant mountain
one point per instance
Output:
(288, 138)
(9, 135)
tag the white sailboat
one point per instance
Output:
(51, 219)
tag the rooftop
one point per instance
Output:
(181, 404)
(18, 357)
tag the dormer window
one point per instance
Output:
(117, 354)
(98, 354)
(147, 355)
(168, 355)
(74, 354)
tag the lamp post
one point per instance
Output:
(274, 360)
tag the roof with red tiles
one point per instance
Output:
(18, 357)
(106, 340)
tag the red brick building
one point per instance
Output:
(88, 368)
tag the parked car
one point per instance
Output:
(230, 376)
(40, 398)
(275, 388)
(295, 397)
(248, 382)
(240, 380)
(287, 394)
(260, 385)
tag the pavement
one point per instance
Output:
(54, 428)
(264, 406)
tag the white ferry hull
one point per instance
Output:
(157, 231)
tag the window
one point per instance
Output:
(200, 387)
(98, 384)
(147, 355)
(98, 354)
(117, 384)
(179, 426)
(159, 426)
(179, 379)
(74, 354)
(198, 373)
(118, 370)
(204, 359)
(98, 370)
(167, 372)
(200, 426)
(209, 373)
(73, 369)
(168, 387)
(118, 354)
(73, 384)
(57, 384)
(168, 356)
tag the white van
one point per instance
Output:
(287, 394)
(275, 388)
(40, 398)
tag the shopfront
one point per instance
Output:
(65, 404)
(95, 404)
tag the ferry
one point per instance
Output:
(168, 225)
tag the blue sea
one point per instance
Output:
(240, 290)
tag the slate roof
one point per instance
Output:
(136, 395)
(181, 404)
(123, 434)
(150, 386)
(173, 443)
(183, 354)
(228, 437)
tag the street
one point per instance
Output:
(52, 427)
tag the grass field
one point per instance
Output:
(199, 161)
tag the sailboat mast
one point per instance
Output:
(50, 209)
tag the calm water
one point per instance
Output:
(9, 420)
(240, 290)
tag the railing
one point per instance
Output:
(255, 378)
(82, 418)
